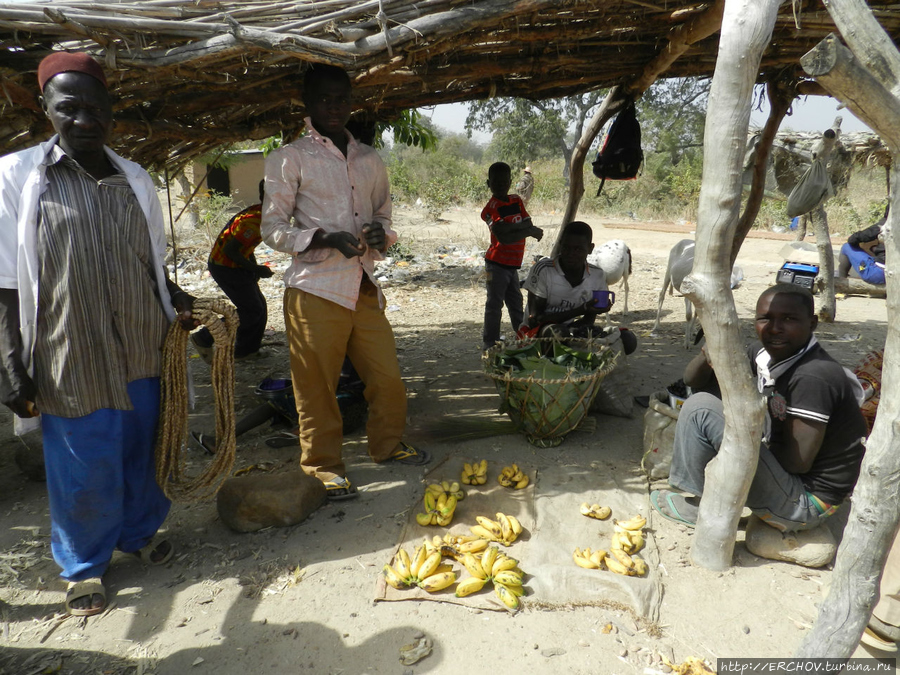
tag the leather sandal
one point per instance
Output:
(146, 553)
(86, 588)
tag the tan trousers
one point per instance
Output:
(888, 607)
(320, 333)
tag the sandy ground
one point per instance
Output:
(300, 599)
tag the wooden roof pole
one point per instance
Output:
(680, 40)
(866, 78)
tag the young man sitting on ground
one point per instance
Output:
(561, 291)
(813, 439)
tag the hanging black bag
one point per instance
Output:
(621, 156)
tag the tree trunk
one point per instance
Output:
(871, 94)
(612, 104)
(746, 30)
(826, 300)
(781, 95)
(850, 286)
(682, 37)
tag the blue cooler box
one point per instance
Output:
(800, 274)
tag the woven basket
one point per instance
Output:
(546, 409)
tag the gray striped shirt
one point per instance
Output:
(100, 321)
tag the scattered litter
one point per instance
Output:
(415, 652)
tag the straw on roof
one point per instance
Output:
(189, 76)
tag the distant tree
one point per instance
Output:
(525, 130)
(672, 115)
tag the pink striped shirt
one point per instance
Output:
(312, 182)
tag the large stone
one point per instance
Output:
(810, 548)
(250, 503)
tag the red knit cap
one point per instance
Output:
(68, 62)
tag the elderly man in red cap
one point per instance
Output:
(82, 247)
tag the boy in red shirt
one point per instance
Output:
(510, 226)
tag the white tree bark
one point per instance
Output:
(871, 93)
(746, 30)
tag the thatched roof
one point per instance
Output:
(192, 75)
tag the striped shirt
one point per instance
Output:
(100, 322)
(311, 186)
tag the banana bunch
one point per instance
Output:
(616, 560)
(630, 541)
(497, 568)
(595, 511)
(424, 570)
(589, 560)
(440, 503)
(475, 474)
(505, 530)
(461, 543)
(512, 477)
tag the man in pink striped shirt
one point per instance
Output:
(336, 191)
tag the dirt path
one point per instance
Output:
(299, 599)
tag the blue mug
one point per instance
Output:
(604, 299)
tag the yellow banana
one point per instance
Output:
(637, 542)
(424, 519)
(473, 566)
(584, 562)
(508, 578)
(622, 557)
(595, 511)
(449, 505)
(506, 596)
(393, 577)
(467, 468)
(428, 502)
(503, 563)
(428, 567)
(488, 557)
(402, 563)
(481, 532)
(434, 488)
(416, 561)
(491, 526)
(454, 487)
(441, 501)
(614, 565)
(635, 523)
(443, 519)
(438, 542)
(615, 541)
(444, 567)
(467, 478)
(515, 524)
(505, 526)
(437, 582)
(460, 494)
(481, 480)
(597, 557)
(518, 591)
(482, 468)
(472, 546)
(469, 586)
(445, 485)
(522, 483)
(640, 567)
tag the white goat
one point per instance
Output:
(681, 262)
(614, 258)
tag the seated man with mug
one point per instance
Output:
(566, 293)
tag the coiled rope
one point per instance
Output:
(220, 318)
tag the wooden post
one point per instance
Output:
(819, 217)
(781, 94)
(867, 81)
(746, 30)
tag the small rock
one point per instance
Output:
(623, 653)
(552, 651)
(253, 502)
(535, 647)
(418, 635)
(582, 643)
(746, 630)
(810, 548)
(665, 668)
